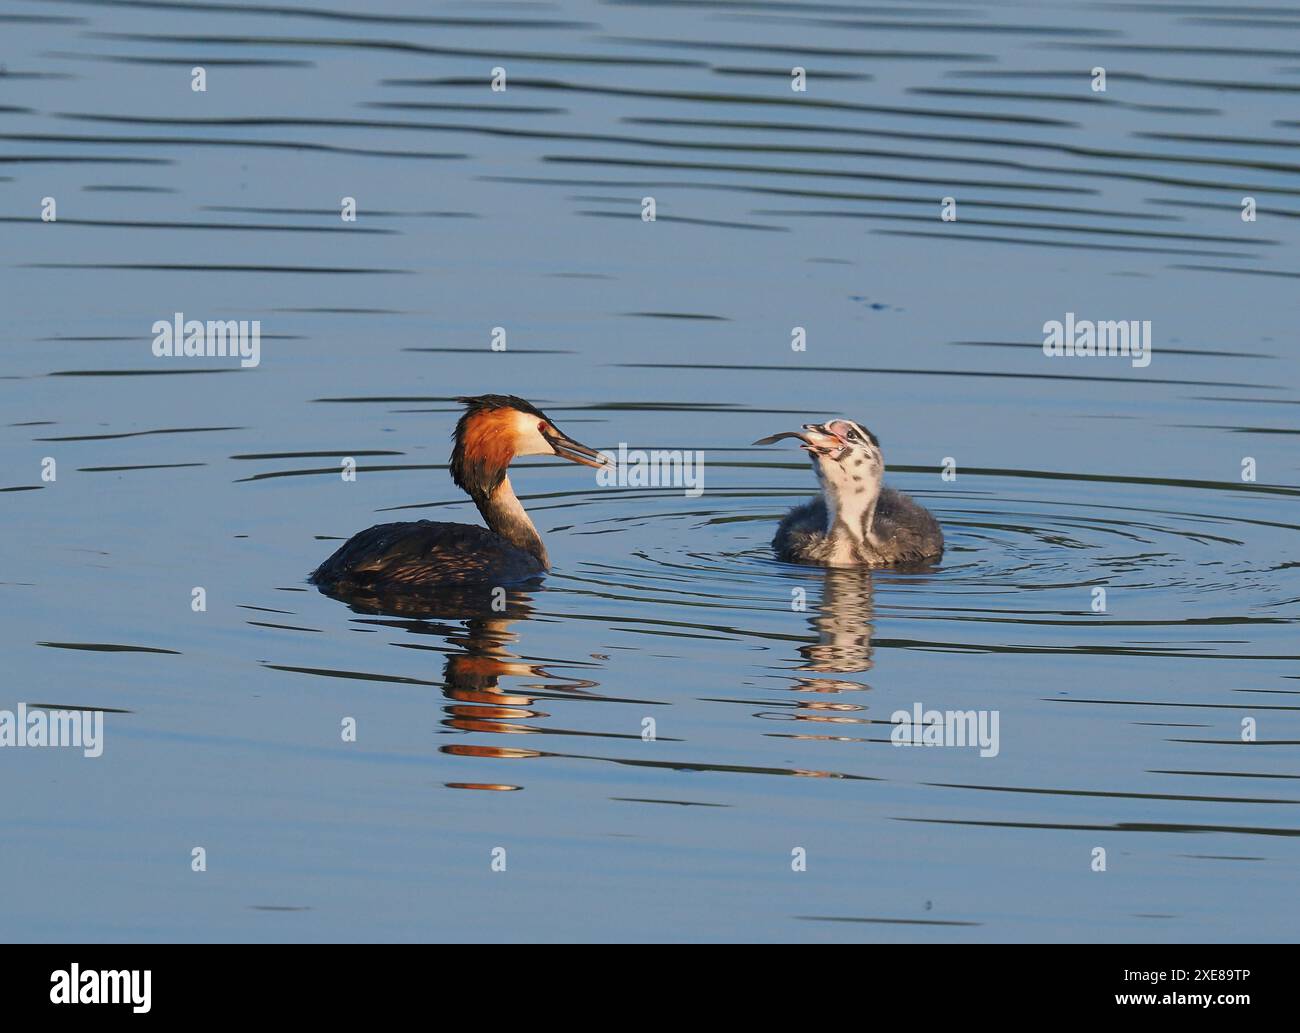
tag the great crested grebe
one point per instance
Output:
(857, 522)
(412, 556)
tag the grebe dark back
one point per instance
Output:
(411, 556)
(857, 521)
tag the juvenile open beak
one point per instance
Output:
(567, 448)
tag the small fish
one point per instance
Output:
(814, 438)
(772, 439)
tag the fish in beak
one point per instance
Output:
(817, 438)
(566, 448)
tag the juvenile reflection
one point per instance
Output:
(843, 626)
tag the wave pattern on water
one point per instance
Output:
(671, 705)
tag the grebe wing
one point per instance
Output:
(427, 552)
(912, 528)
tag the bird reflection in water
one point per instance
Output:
(843, 626)
(475, 623)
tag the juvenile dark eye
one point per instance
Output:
(853, 436)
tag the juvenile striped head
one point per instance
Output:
(847, 457)
(851, 468)
(838, 439)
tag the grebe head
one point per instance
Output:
(494, 429)
(851, 468)
(848, 462)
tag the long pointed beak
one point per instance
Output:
(567, 448)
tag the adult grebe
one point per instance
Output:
(411, 556)
(857, 522)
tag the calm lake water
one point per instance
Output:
(522, 209)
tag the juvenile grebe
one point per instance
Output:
(857, 522)
(390, 558)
